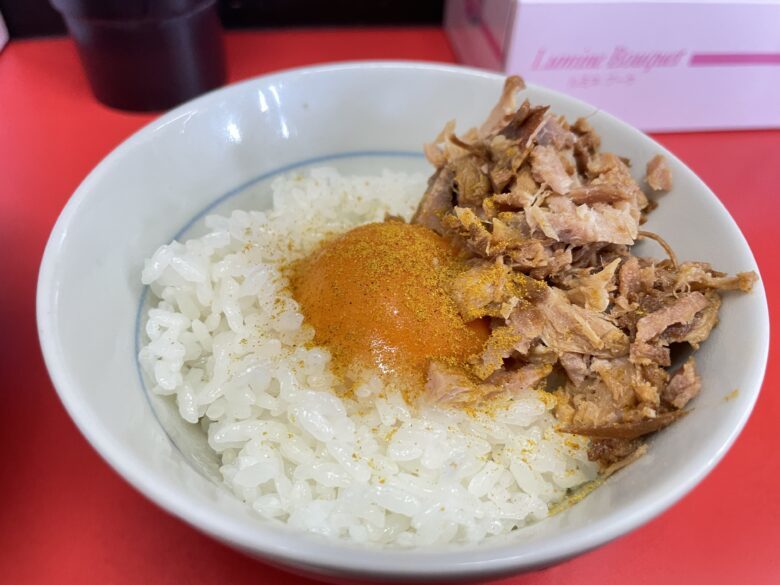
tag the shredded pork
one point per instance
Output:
(659, 175)
(546, 221)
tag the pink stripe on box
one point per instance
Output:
(491, 41)
(715, 59)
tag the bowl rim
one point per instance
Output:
(328, 557)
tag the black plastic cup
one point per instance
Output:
(147, 55)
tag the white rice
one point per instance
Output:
(228, 341)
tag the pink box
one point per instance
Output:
(659, 64)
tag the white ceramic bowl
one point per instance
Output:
(217, 153)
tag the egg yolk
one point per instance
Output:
(377, 296)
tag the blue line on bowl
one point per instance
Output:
(221, 199)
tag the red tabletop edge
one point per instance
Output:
(66, 517)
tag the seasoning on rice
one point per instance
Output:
(379, 295)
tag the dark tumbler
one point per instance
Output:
(147, 54)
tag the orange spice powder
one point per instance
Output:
(378, 296)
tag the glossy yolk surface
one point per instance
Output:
(378, 296)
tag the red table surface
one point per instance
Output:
(66, 517)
